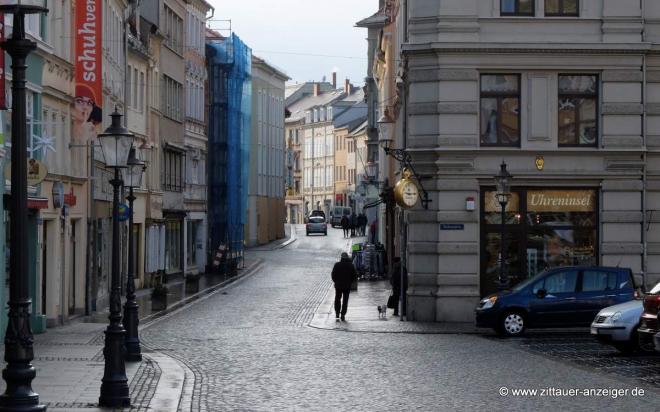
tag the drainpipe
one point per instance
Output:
(644, 176)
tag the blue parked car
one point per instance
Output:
(559, 297)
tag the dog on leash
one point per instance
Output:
(382, 311)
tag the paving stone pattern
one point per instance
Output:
(248, 352)
(582, 350)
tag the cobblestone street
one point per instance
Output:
(250, 348)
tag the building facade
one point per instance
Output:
(571, 107)
(195, 139)
(266, 205)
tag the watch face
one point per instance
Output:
(410, 194)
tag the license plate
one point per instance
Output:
(594, 331)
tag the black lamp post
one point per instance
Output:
(116, 142)
(503, 184)
(132, 179)
(19, 353)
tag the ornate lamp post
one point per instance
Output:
(19, 353)
(132, 179)
(503, 194)
(116, 142)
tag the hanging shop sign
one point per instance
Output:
(406, 192)
(561, 200)
(123, 212)
(36, 171)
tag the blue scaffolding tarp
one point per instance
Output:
(230, 105)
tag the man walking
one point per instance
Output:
(343, 274)
(344, 225)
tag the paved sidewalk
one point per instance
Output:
(70, 364)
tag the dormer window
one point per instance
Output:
(329, 113)
(516, 7)
(316, 115)
(322, 114)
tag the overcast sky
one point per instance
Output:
(305, 38)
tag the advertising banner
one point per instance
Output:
(86, 113)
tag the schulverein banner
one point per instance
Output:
(86, 112)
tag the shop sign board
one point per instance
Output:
(561, 200)
(452, 226)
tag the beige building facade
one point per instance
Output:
(567, 96)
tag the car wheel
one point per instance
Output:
(307, 233)
(512, 323)
(642, 347)
(325, 233)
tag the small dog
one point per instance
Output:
(382, 311)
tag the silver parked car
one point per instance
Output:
(317, 224)
(617, 325)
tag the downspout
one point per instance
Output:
(644, 168)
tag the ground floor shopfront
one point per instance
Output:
(453, 252)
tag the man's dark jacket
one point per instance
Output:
(343, 274)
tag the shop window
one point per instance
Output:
(578, 110)
(516, 7)
(598, 281)
(500, 110)
(561, 7)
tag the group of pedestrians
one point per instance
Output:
(354, 225)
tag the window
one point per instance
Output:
(561, 282)
(173, 30)
(578, 110)
(172, 246)
(500, 110)
(173, 171)
(516, 7)
(172, 99)
(598, 281)
(561, 7)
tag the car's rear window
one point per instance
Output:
(316, 219)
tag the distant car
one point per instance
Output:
(317, 224)
(648, 320)
(559, 297)
(617, 326)
(338, 213)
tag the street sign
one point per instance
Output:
(452, 226)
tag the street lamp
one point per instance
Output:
(19, 351)
(503, 184)
(132, 179)
(116, 142)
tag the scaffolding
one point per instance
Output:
(230, 104)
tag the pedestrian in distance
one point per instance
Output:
(363, 224)
(372, 231)
(353, 224)
(344, 225)
(343, 275)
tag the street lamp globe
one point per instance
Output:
(385, 130)
(134, 170)
(116, 143)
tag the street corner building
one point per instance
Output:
(567, 94)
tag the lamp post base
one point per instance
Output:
(20, 397)
(114, 386)
(133, 351)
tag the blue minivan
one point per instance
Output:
(559, 297)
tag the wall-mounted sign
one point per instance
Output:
(123, 211)
(561, 200)
(58, 194)
(452, 226)
(36, 171)
(70, 198)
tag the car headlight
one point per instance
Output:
(616, 316)
(488, 303)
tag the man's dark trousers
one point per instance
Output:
(341, 307)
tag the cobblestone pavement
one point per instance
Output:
(580, 349)
(250, 349)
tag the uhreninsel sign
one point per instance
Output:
(561, 200)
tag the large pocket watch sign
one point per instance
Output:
(406, 192)
(36, 171)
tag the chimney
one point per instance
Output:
(334, 80)
(348, 87)
(317, 89)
